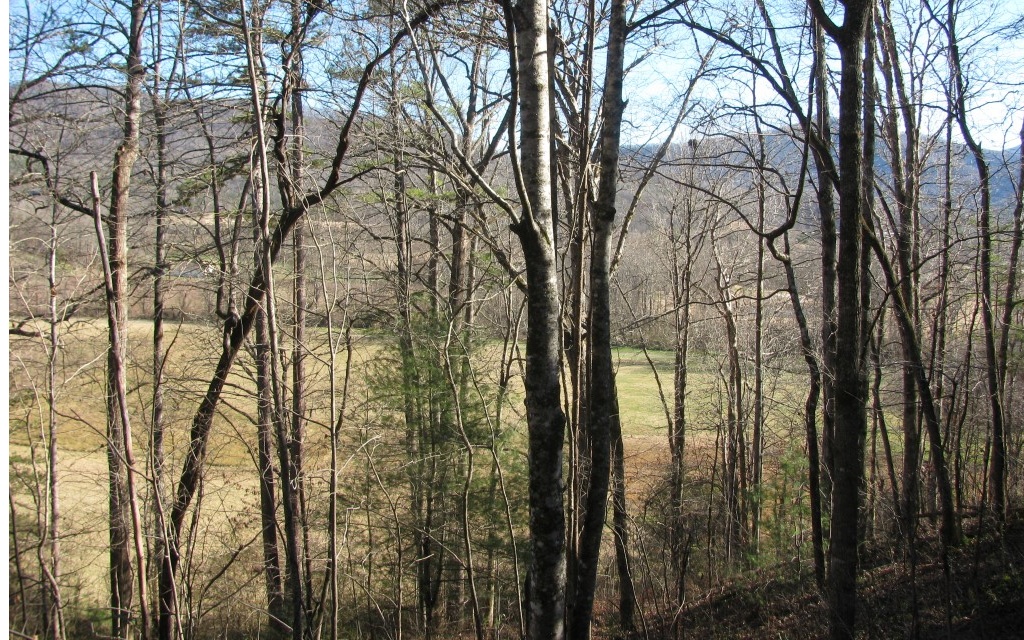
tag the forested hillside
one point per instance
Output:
(530, 318)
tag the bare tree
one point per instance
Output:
(958, 91)
(850, 370)
(601, 393)
(528, 41)
(118, 431)
(237, 327)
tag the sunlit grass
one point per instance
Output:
(372, 427)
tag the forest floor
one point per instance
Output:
(982, 598)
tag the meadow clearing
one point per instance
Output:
(226, 526)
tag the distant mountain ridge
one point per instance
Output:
(783, 152)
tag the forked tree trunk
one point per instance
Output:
(849, 371)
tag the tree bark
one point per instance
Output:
(545, 419)
(620, 527)
(849, 371)
(53, 571)
(265, 466)
(117, 372)
(827, 214)
(603, 408)
(121, 593)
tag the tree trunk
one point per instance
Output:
(757, 435)
(268, 498)
(827, 215)
(545, 420)
(121, 593)
(904, 167)
(997, 462)
(620, 527)
(120, 400)
(603, 407)
(290, 149)
(159, 268)
(52, 572)
(734, 460)
(286, 452)
(948, 527)
(849, 371)
(1009, 302)
(681, 289)
(156, 444)
(810, 414)
(879, 412)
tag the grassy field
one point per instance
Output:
(230, 492)
(194, 348)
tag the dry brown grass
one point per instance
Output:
(229, 505)
(225, 540)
